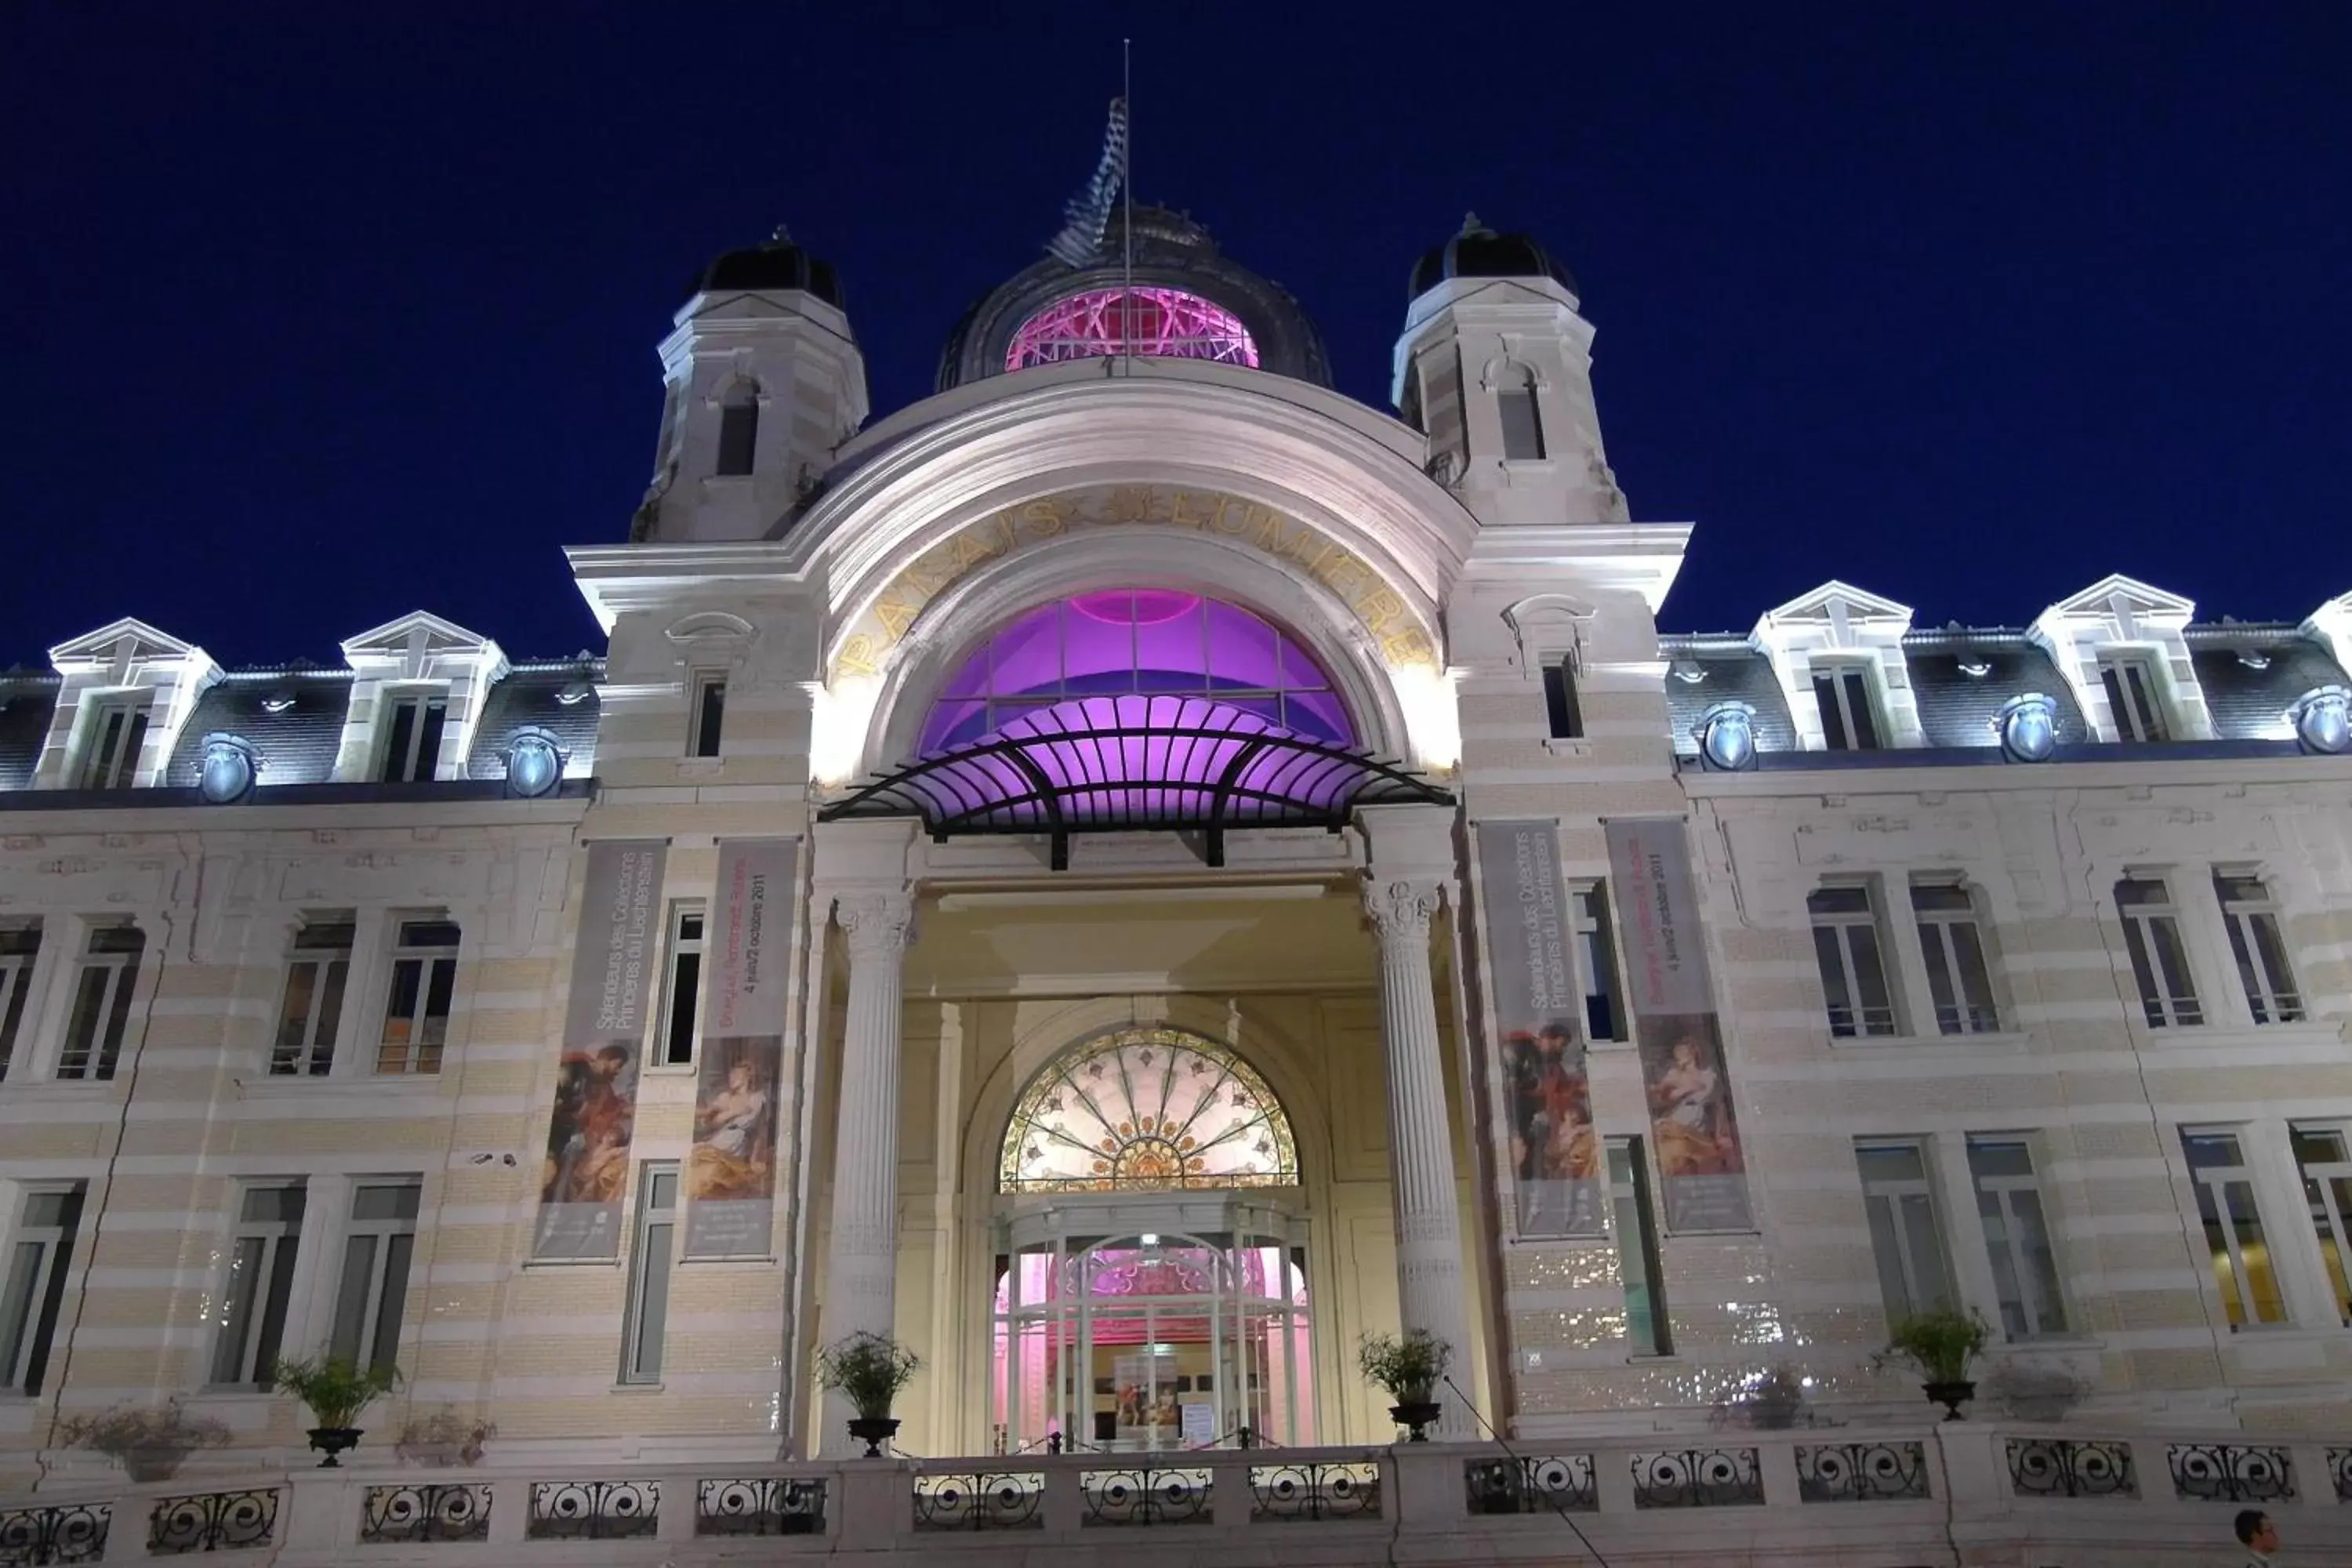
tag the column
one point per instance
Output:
(862, 1249)
(1430, 1285)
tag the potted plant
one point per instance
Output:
(147, 1442)
(335, 1389)
(443, 1438)
(1408, 1368)
(869, 1370)
(1941, 1344)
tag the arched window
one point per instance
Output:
(1523, 435)
(1150, 642)
(1163, 323)
(1146, 1110)
(739, 428)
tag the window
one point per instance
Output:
(412, 738)
(2024, 1269)
(2233, 1228)
(2322, 1155)
(2130, 683)
(709, 715)
(1957, 982)
(260, 1283)
(2260, 949)
(1596, 956)
(1636, 1224)
(36, 1288)
(1905, 1239)
(649, 1260)
(685, 983)
(376, 1253)
(1559, 701)
(20, 945)
(1523, 437)
(1848, 721)
(316, 967)
(102, 1007)
(738, 430)
(1853, 962)
(117, 729)
(2159, 960)
(417, 1012)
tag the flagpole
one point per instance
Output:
(1126, 190)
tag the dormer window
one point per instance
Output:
(2130, 682)
(1515, 400)
(1849, 720)
(412, 737)
(738, 430)
(709, 718)
(1560, 706)
(117, 729)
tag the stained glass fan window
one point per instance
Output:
(1148, 1110)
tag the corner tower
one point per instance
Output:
(765, 381)
(1495, 366)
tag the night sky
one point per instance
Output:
(316, 317)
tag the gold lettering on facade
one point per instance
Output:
(1132, 503)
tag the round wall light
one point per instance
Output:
(1726, 737)
(534, 764)
(2028, 726)
(228, 772)
(2322, 720)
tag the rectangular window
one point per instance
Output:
(2130, 683)
(1958, 981)
(738, 435)
(316, 967)
(101, 1005)
(34, 1292)
(2024, 1267)
(416, 1011)
(1636, 1224)
(1849, 724)
(117, 729)
(2261, 951)
(1559, 702)
(259, 1284)
(2233, 1228)
(709, 715)
(1853, 961)
(412, 738)
(684, 986)
(1914, 1276)
(1523, 439)
(1596, 956)
(374, 1287)
(649, 1263)
(2322, 1154)
(20, 945)
(2159, 958)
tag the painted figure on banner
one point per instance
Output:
(588, 1138)
(1690, 1103)
(1555, 1155)
(735, 1122)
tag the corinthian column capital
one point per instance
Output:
(1402, 907)
(877, 924)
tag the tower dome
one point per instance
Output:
(1479, 252)
(777, 264)
(1189, 301)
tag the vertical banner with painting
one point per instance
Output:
(586, 1168)
(1701, 1166)
(730, 1176)
(1555, 1156)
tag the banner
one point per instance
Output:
(586, 1170)
(1701, 1166)
(730, 1176)
(1555, 1155)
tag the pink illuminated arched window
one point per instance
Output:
(1151, 642)
(1167, 323)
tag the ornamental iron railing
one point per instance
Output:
(37, 1537)
(1008, 1500)
(2066, 1466)
(431, 1511)
(1862, 1472)
(213, 1521)
(1146, 1495)
(1531, 1483)
(2339, 1471)
(1308, 1490)
(1697, 1477)
(594, 1510)
(753, 1505)
(2230, 1472)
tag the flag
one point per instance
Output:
(1088, 212)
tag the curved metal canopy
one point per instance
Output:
(1108, 764)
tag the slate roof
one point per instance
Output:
(2249, 704)
(529, 697)
(1733, 672)
(296, 746)
(26, 705)
(1958, 709)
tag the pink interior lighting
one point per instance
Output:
(1168, 323)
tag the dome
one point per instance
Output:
(1479, 252)
(1190, 302)
(778, 264)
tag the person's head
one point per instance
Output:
(2256, 1530)
(1686, 1052)
(739, 1073)
(610, 1060)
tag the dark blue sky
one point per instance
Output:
(316, 316)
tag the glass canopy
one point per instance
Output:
(1148, 1110)
(1163, 323)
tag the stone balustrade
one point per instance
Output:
(1979, 1493)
